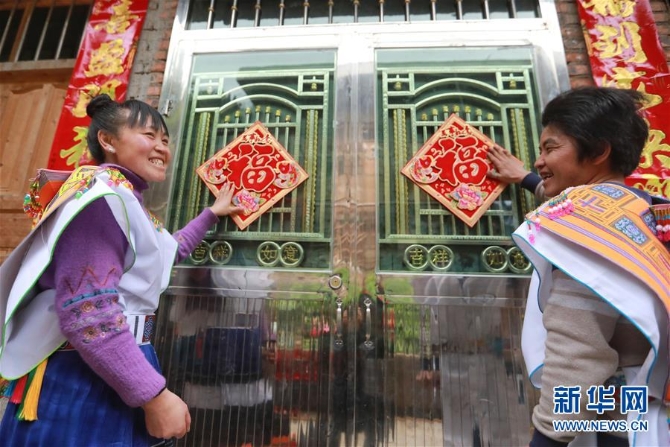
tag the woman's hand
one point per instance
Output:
(167, 416)
(223, 205)
(508, 168)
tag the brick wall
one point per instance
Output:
(149, 66)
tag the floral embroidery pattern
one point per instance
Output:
(649, 220)
(627, 227)
(89, 306)
(116, 179)
(610, 191)
(90, 295)
(97, 313)
(89, 334)
(158, 225)
(91, 328)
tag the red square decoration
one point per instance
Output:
(452, 165)
(260, 169)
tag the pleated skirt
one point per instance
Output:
(78, 409)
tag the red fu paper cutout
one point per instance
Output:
(260, 169)
(452, 165)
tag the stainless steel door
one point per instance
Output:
(253, 316)
(396, 325)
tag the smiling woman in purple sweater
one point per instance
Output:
(86, 283)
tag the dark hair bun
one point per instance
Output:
(97, 104)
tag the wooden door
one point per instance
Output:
(29, 114)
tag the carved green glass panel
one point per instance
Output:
(293, 99)
(493, 89)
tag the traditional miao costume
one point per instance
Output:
(597, 255)
(77, 306)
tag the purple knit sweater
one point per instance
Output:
(85, 272)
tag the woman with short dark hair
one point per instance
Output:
(599, 300)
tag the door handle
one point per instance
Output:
(368, 344)
(339, 342)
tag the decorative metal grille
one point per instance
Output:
(295, 107)
(415, 101)
(207, 14)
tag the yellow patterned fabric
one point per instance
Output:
(603, 236)
(616, 224)
(619, 232)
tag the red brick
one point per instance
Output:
(157, 78)
(576, 57)
(158, 67)
(154, 90)
(566, 8)
(581, 81)
(166, 14)
(658, 6)
(579, 69)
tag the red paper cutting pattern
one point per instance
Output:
(452, 165)
(260, 169)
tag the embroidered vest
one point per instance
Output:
(30, 329)
(604, 236)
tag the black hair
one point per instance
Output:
(596, 117)
(109, 116)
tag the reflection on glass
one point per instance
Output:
(253, 370)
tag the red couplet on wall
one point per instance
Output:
(625, 52)
(103, 66)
